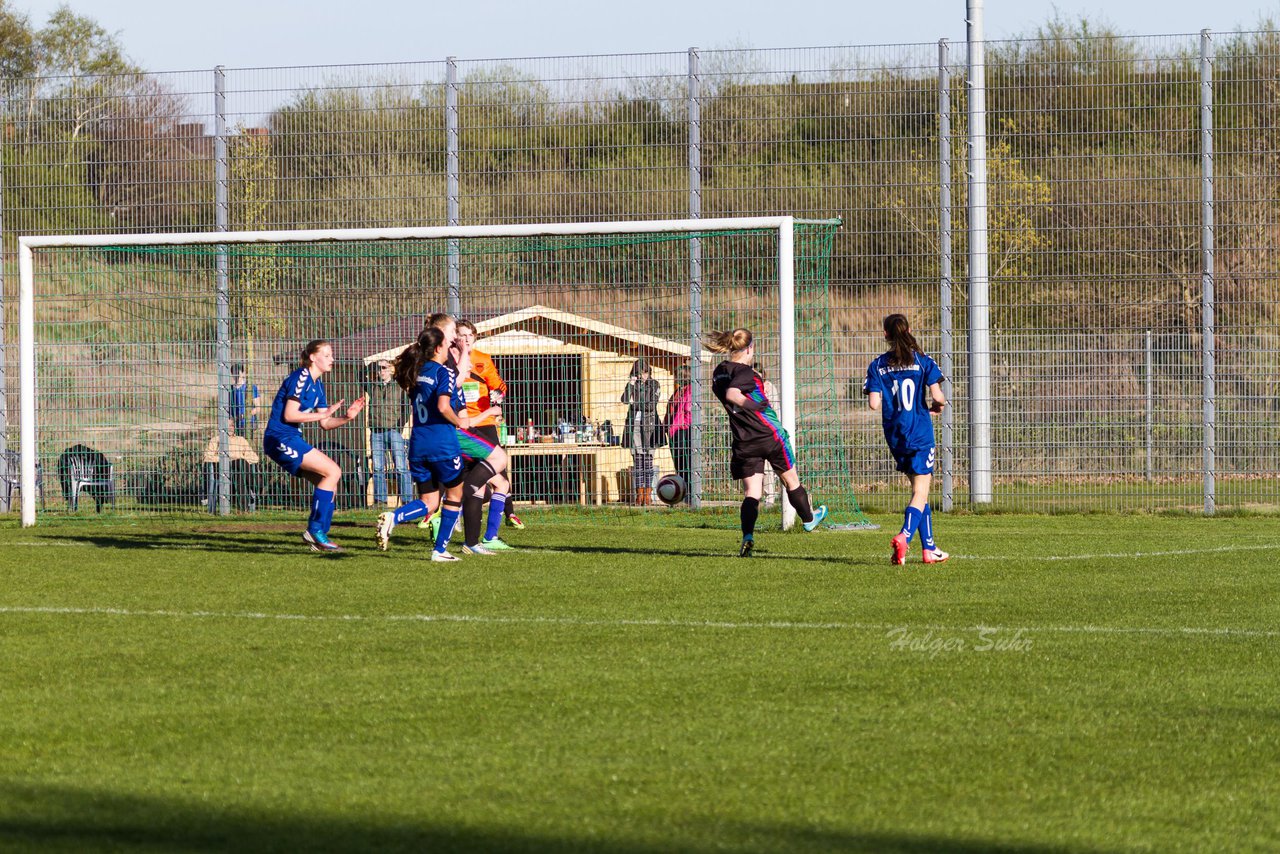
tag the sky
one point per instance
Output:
(176, 35)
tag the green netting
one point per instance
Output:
(436, 248)
(824, 436)
(130, 363)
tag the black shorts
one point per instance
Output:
(750, 460)
(488, 431)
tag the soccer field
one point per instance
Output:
(1065, 683)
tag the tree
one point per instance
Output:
(74, 72)
(18, 59)
(1018, 200)
(95, 143)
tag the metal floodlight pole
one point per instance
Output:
(945, 343)
(695, 285)
(4, 382)
(222, 222)
(1207, 326)
(980, 484)
(452, 181)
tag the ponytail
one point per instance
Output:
(733, 341)
(310, 350)
(417, 354)
(902, 344)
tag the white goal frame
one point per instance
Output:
(783, 225)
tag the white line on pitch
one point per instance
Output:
(51, 543)
(1127, 555)
(655, 623)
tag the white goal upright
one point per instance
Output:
(128, 341)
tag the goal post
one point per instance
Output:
(614, 265)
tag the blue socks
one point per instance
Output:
(911, 519)
(496, 503)
(321, 512)
(448, 520)
(926, 530)
(326, 514)
(409, 511)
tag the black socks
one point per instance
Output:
(473, 498)
(750, 511)
(799, 499)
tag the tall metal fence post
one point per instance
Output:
(1206, 274)
(452, 186)
(4, 380)
(222, 222)
(979, 295)
(1151, 405)
(695, 284)
(945, 344)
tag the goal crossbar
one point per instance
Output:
(783, 225)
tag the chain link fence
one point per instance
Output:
(1120, 170)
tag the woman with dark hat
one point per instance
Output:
(642, 433)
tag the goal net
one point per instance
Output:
(149, 363)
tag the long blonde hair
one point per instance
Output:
(732, 341)
(440, 320)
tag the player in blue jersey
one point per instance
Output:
(758, 436)
(301, 400)
(435, 457)
(905, 385)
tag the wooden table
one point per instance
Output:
(589, 452)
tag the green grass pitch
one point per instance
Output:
(1065, 683)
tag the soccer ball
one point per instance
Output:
(671, 489)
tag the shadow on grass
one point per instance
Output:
(232, 542)
(761, 554)
(358, 541)
(277, 538)
(70, 819)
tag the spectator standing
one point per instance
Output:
(679, 427)
(245, 403)
(388, 417)
(642, 430)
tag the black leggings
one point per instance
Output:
(490, 432)
(644, 469)
(682, 455)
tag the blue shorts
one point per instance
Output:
(446, 472)
(286, 451)
(916, 462)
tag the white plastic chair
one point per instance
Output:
(81, 474)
